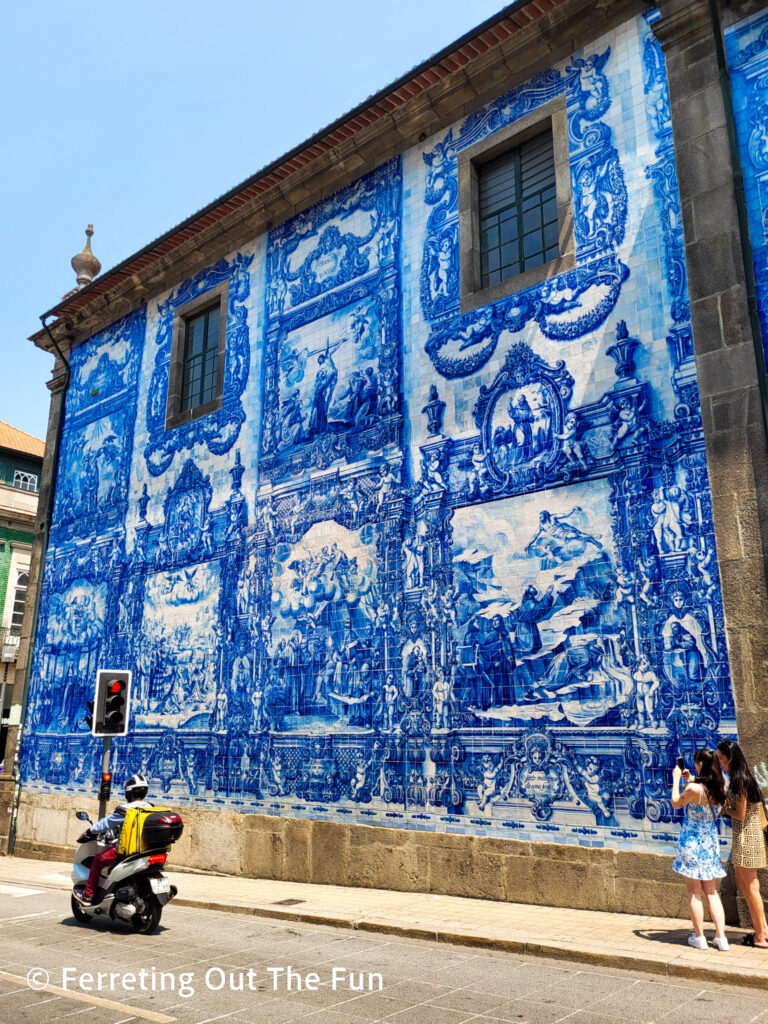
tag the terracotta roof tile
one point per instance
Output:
(16, 440)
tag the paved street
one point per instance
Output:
(421, 982)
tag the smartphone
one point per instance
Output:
(681, 763)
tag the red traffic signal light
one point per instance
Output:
(112, 703)
(105, 789)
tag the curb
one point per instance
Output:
(553, 951)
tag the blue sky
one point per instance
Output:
(134, 115)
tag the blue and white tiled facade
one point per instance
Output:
(747, 53)
(429, 569)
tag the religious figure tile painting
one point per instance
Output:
(426, 567)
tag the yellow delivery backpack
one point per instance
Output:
(132, 839)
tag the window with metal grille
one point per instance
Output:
(200, 377)
(25, 481)
(19, 599)
(518, 210)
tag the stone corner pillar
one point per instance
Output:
(725, 353)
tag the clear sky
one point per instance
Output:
(134, 115)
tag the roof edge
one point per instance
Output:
(343, 119)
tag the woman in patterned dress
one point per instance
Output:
(698, 855)
(748, 853)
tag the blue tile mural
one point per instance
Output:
(747, 53)
(424, 568)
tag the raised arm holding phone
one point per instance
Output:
(697, 856)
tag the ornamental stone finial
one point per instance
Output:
(85, 264)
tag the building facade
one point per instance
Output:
(409, 513)
(21, 463)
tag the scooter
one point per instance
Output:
(135, 889)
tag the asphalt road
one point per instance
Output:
(204, 966)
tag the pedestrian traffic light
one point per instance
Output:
(111, 703)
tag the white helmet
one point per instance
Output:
(137, 786)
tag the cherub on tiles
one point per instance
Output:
(441, 697)
(430, 603)
(432, 481)
(627, 425)
(350, 494)
(625, 589)
(440, 270)
(448, 604)
(646, 693)
(391, 693)
(386, 485)
(574, 450)
(486, 791)
(649, 573)
(479, 482)
(699, 563)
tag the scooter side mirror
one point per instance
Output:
(82, 816)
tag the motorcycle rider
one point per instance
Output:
(136, 789)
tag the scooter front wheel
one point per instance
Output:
(147, 922)
(78, 913)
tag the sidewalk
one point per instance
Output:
(653, 944)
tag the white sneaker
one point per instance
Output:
(721, 944)
(697, 941)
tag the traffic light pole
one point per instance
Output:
(103, 797)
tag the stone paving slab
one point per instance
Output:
(653, 944)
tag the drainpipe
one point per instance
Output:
(38, 588)
(741, 210)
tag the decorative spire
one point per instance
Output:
(622, 351)
(85, 264)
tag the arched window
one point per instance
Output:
(25, 481)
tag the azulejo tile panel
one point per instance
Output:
(747, 53)
(428, 569)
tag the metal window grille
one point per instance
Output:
(518, 210)
(200, 378)
(19, 600)
(25, 481)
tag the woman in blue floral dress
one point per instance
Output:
(698, 850)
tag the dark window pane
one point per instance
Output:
(532, 245)
(509, 230)
(509, 253)
(550, 235)
(200, 369)
(532, 219)
(517, 202)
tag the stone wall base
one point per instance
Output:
(331, 853)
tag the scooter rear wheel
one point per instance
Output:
(78, 913)
(147, 922)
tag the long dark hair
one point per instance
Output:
(742, 781)
(710, 775)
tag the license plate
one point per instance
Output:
(160, 885)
